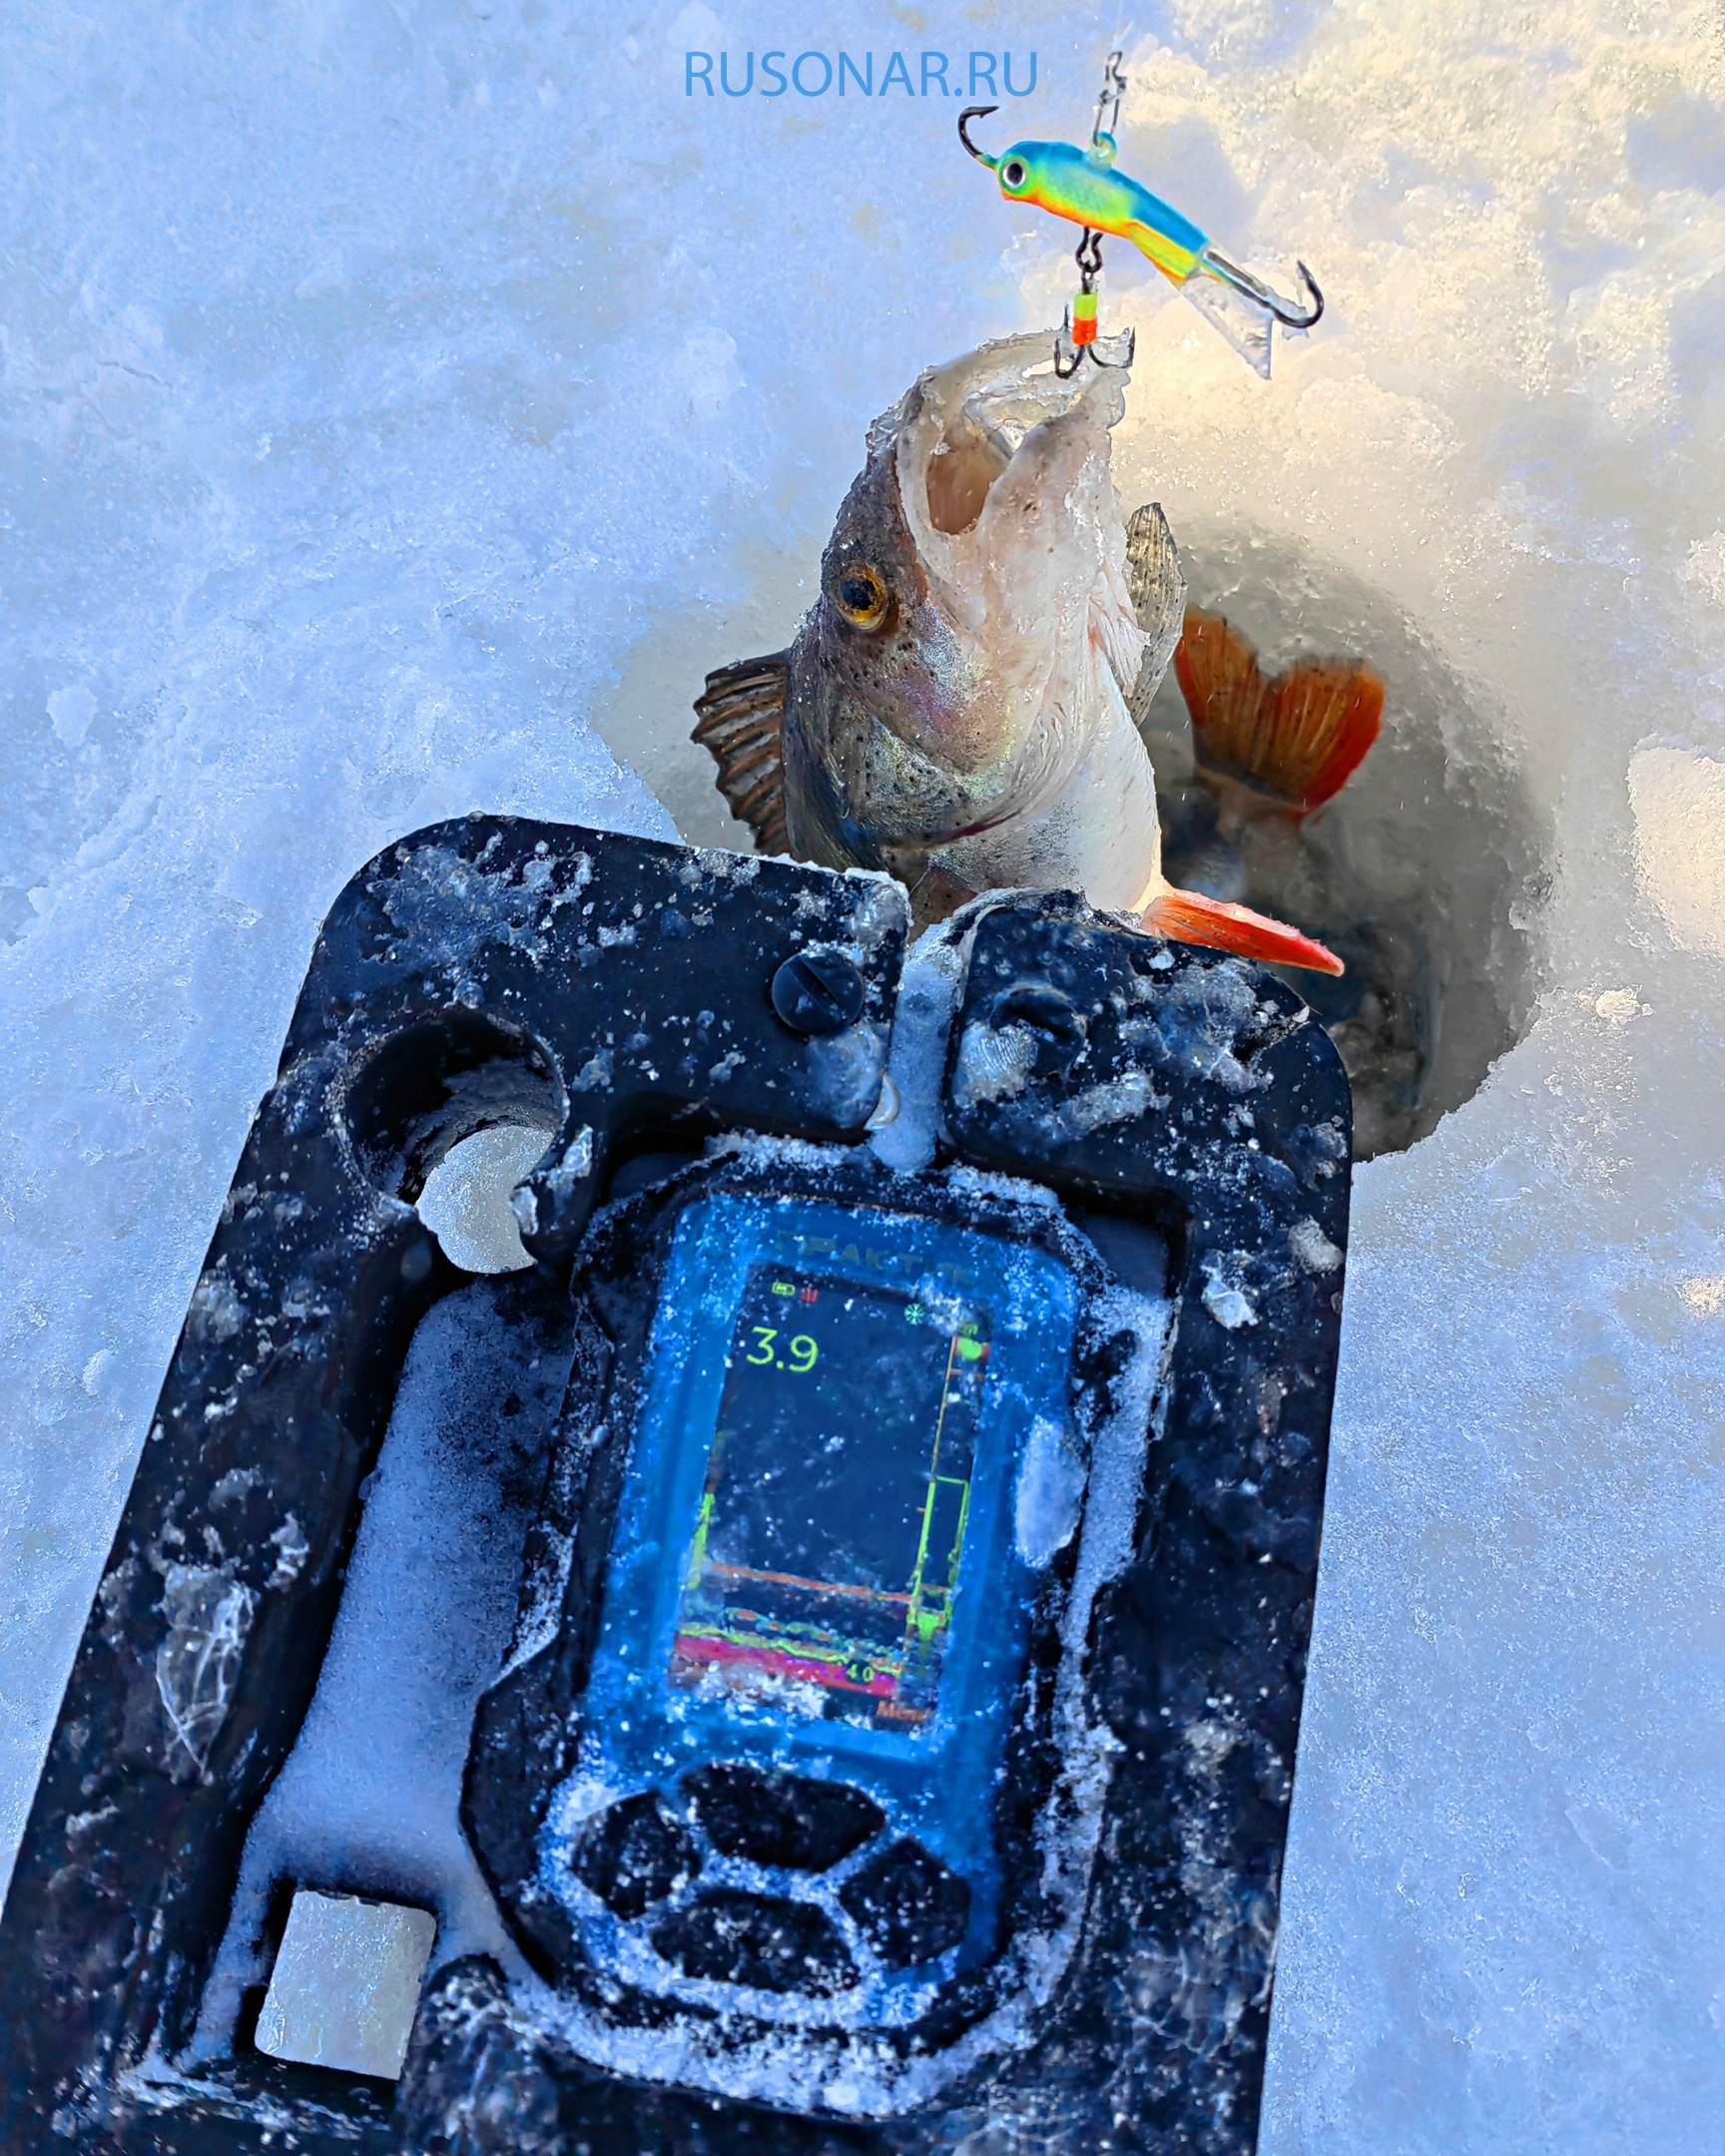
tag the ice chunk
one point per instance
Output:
(1225, 1295)
(466, 1202)
(1050, 1491)
(345, 1985)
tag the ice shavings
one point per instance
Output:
(292, 1551)
(455, 906)
(367, 1801)
(927, 990)
(1197, 1020)
(1116, 1100)
(1196, 1998)
(1047, 1495)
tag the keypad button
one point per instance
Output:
(743, 1939)
(632, 1856)
(907, 1904)
(781, 1818)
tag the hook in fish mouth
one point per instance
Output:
(976, 112)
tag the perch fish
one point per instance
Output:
(960, 707)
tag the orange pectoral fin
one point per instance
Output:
(1188, 917)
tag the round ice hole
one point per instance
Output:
(465, 1201)
(1425, 873)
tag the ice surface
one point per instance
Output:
(391, 390)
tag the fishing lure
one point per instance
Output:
(1083, 185)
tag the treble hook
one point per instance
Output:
(976, 112)
(1284, 310)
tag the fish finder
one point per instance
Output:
(901, 1445)
(824, 1790)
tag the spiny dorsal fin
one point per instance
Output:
(1301, 735)
(1158, 591)
(740, 720)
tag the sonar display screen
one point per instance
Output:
(827, 1549)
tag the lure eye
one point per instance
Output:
(1013, 175)
(861, 597)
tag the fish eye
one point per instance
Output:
(861, 595)
(1014, 173)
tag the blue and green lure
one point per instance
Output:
(1083, 185)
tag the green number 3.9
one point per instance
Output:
(804, 1352)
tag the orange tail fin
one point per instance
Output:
(1188, 917)
(1301, 735)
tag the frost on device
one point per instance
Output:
(838, 1604)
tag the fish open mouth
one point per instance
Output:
(985, 405)
(1006, 487)
(964, 464)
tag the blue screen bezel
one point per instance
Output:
(636, 1728)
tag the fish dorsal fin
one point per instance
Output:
(1301, 735)
(1158, 590)
(740, 721)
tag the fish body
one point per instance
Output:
(960, 707)
(958, 698)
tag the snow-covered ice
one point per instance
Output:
(403, 402)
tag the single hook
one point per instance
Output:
(1286, 312)
(976, 112)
